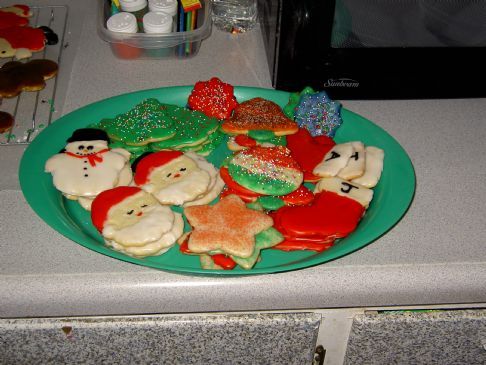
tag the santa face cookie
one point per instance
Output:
(172, 177)
(134, 222)
(87, 166)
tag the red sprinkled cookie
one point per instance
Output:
(214, 98)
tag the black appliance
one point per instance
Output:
(377, 49)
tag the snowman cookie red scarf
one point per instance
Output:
(92, 158)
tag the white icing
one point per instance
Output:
(334, 160)
(78, 177)
(342, 187)
(356, 163)
(210, 195)
(178, 181)
(373, 167)
(155, 248)
(130, 224)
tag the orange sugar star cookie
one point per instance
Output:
(228, 226)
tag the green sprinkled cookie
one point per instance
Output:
(192, 128)
(266, 170)
(145, 123)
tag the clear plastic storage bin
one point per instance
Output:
(155, 46)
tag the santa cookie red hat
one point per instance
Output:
(107, 199)
(150, 162)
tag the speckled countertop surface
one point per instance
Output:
(434, 255)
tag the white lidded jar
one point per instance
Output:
(137, 7)
(166, 6)
(157, 22)
(160, 23)
(123, 23)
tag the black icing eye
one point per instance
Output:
(81, 147)
(89, 148)
(130, 212)
(169, 174)
(143, 206)
(3, 52)
(182, 169)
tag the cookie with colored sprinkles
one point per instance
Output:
(214, 98)
(294, 99)
(192, 128)
(266, 170)
(145, 123)
(319, 114)
(259, 114)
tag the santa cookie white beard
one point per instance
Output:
(171, 177)
(133, 221)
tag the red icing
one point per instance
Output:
(93, 158)
(299, 245)
(25, 9)
(214, 98)
(330, 216)
(245, 141)
(105, 200)
(308, 151)
(301, 196)
(246, 198)
(152, 161)
(224, 261)
(235, 187)
(24, 37)
(8, 19)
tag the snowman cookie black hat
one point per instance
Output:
(88, 134)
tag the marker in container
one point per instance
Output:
(161, 23)
(137, 7)
(166, 6)
(123, 23)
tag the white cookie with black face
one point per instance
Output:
(86, 168)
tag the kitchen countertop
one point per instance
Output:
(434, 255)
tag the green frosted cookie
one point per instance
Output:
(192, 128)
(147, 122)
(289, 109)
(266, 170)
(135, 151)
(265, 239)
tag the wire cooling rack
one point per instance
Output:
(32, 111)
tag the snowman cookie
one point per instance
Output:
(86, 166)
(133, 222)
(172, 177)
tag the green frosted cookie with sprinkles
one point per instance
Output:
(145, 123)
(192, 128)
(266, 170)
(294, 99)
(215, 139)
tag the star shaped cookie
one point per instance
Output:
(227, 226)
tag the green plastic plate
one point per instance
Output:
(392, 195)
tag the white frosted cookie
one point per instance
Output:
(86, 167)
(171, 177)
(335, 160)
(356, 163)
(345, 188)
(373, 167)
(153, 248)
(133, 222)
